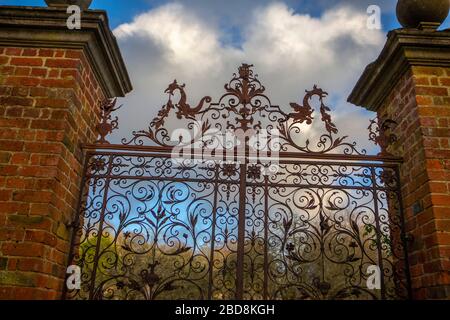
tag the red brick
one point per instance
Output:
(34, 265)
(11, 234)
(443, 225)
(434, 81)
(47, 124)
(20, 158)
(62, 63)
(39, 72)
(5, 195)
(58, 257)
(5, 91)
(431, 91)
(20, 91)
(428, 121)
(422, 81)
(14, 112)
(31, 113)
(32, 196)
(35, 222)
(445, 81)
(434, 164)
(45, 160)
(69, 73)
(13, 51)
(4, 60)
(58, 83)
(23, 249)
(59, 114)
(74, 54)
(7, 70)
(54, 73)
(46, 52)
(16, 101)
(51, 103)
(19, 183)
(6, 145)
(29, 52)
(22, 81)
(37, 171)
(45, 184)
(38, 92)
(36, 62)
(22, 71)
(26, 134)
(14, 208)
(40, 209)
(47, 282)
(5, 157)
(43, 147)
(54, 136)
(8, 134)
(40, 236)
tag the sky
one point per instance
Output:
(293, 44)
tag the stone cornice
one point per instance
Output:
(46, 27)
(404, 48)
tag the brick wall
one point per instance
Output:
(48, 99)
(420, 103)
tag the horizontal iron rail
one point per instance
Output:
(237, 182)
(163, 151)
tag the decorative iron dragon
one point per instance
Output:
(184, 109)
(304, 113)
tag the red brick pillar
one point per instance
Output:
(410, 83)
(51, 80)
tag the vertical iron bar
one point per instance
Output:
(241, 235)
(213, 233)
(378, 233)
(266, 236)
(241, 224)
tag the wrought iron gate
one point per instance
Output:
(156, 221)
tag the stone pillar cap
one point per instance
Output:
(404, 48)
(46, 27)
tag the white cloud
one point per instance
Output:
(182, 37)
(290, 51)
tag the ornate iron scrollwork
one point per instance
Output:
(237, 110)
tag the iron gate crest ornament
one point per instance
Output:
(151, 228)
(244, 100)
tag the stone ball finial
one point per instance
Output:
(83, 4)
(422, 14)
